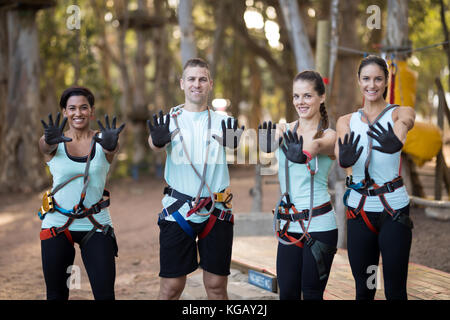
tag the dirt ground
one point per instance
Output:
(134, 205)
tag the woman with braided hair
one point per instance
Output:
(369, 147)
(306, 226)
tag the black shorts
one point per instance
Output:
(178, 251)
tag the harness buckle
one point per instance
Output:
(306, 213)
(224, 197)
(77, 209)
(310, 241)
(368, 182)
(348, 180)
(48, 205)
(96, 208)
(390, 187)
(396, 215)
(106, 229)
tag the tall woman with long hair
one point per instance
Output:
(369, 147)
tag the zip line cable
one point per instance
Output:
(395, 50)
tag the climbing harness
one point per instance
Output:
(363, 186)
(197, 203)
(319, 249)
(79, 211)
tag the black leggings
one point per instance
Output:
(297, 270)
(364, 247)
(98, 258)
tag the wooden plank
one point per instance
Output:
(424, 283)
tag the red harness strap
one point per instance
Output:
(360, 210)
(52, 232)
(212, 220)
(290, 238)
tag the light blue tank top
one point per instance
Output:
(299, 191)
(63, 168)
(178, 172)
(383, 167)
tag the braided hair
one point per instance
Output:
(315, 78)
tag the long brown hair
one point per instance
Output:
(315, 78)
(373, 59)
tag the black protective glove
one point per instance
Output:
(231, 134)
(266, 133)
(159, 131)
(53, 132)
(389, 143)
(293, 148)
(109, 135)
(347, 150)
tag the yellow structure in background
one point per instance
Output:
(424, 141)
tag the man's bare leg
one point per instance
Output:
(171, 288)
(215, 286)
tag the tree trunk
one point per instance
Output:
(345, 85)
(188, 46)
(297, 35)
(106, 100)
(255, 119)
(446, 36)
(220, 14)
(22, 167)
(139, 113)
(163, 98)
(288, 59)
(334, 42)
(3, 71)
(397, 27)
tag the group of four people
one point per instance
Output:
(197, 211)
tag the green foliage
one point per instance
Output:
(71, 57)
(425, 29)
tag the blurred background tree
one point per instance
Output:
(129, 53)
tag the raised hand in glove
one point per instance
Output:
(266, 133)
(293, 148)
(389, 143)
(347, 150)
(53, 132)
(159, 131)
(110, 135)
(231, 134)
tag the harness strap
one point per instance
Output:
(304, 214)
(320, 251)
(94, 209)
(369, 153)
(216, 214)
(292, 239)
(183, 224)
(388, 187)
(205, 202)
(202, 176)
